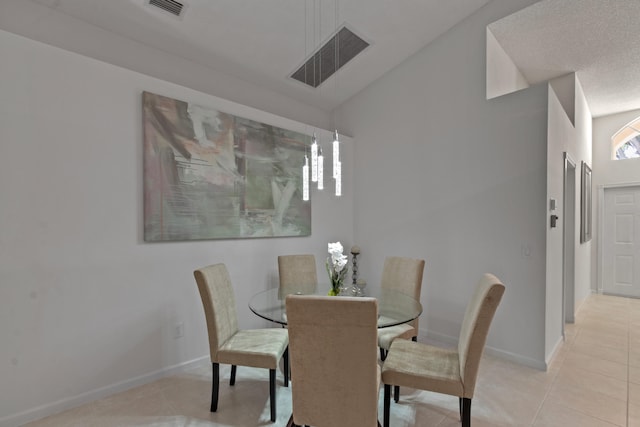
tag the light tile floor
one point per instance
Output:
(593, 381)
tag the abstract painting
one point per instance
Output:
(212, 175)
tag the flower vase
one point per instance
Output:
(336, 288)
(336, 265)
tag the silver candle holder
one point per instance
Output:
(355, 289)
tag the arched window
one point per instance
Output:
(626, 142)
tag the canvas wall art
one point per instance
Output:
(213, 175)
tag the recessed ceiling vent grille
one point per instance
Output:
(171, 6)
(322, 63)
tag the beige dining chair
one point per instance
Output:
(297, 274)
(334, 363)
(258, 348)
(402, 275)
(452, 372)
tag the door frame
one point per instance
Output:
(567, 222)
(599, 249)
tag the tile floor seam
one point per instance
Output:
(553, 381)
(628, 369)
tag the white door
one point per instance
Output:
(621, 241)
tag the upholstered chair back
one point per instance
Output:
(219, 304)
(332, 347)
(297, 274)
(404, 275)
(475, 327)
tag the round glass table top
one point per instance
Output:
(394, 308)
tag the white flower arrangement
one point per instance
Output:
(336, 267)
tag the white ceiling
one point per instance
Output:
(264, 41)
(597, 39)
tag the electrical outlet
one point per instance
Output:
(179, 331)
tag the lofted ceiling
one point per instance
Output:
(597, 39)
(264, 41)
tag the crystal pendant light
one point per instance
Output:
(339, 180)
(305, 179)
(314, 158)
(336, 152)
(337, 164)
(320, 170)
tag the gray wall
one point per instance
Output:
(569, 130)
(448, 176)
(38, 22)
(86, 307)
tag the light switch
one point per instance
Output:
(552, 204)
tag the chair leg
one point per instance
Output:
(272, 393)
(214, 387)
(414, 339)
(466, 411)
(383, 354)
(460, 404)
(387, 404)
(286, 367)
(396, 393)
(232, 380)
(290, 423)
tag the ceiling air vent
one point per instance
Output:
(322, 64)
(171, 6)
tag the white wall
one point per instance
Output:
(607, 172)
(502, 74)
(46, 24)
(561, 135)
(448, 176)
(585, 253)
(86, 307)
(569, 130)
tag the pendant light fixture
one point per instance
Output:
(320, 170)
(337, 165)
(314, 158)
(305, 179)
(317, 158)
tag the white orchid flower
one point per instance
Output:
(336, 267)
(335, 249)
(340, 262)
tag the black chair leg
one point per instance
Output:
(387, 404)
(214, 387)
(414, 339)
(232, 379)
(286, 367)
(466, 412)
(272, 393)
(460, 404)
(383, 354)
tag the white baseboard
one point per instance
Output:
(501, 354)
(553, 352)
(45, 410)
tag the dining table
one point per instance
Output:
(394, 307)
